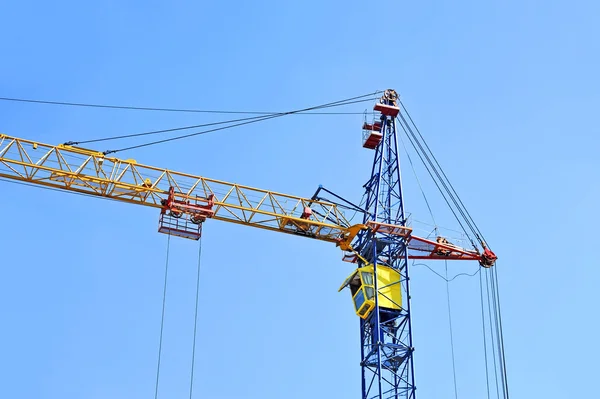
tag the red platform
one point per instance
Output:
(374, 126)
(391, 229)
(388, 110)
(179, 226)
(421, 248)
(371, 138)
(350, 257)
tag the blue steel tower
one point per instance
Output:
(386, 336)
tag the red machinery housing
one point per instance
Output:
(183, 215)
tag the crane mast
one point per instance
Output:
(380, 246)
(386, 335)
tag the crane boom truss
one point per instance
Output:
(91, 172)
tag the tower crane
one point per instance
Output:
(380, 246)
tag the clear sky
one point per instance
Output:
(506, 93)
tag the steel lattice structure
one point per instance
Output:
(381, 246)
(386, 335)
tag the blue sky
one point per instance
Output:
(505, 93)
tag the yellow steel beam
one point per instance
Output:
(91, 172)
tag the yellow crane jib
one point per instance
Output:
(184, 200)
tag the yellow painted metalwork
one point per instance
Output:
(362, 288)
(352, 231)
(91, 172)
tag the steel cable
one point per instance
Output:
(353, 100)
(451, 332)
(487, 378)
(134, 108)
(457, 207)
(162, 319)
(436, 183)
(441, 181)
(443, 173)
(195, 319)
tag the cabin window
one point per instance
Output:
(359, 299)
(367, 278)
